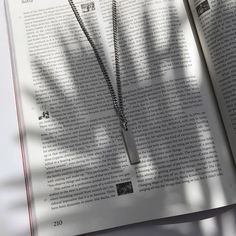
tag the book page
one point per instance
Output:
(79, 175)
(215, 23)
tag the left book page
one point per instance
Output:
(79, 176)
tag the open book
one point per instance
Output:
(178, 83)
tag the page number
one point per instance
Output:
(57, 223)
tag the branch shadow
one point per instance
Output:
(76, 97)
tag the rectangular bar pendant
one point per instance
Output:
(130, 146)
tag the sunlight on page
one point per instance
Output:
(194, 193)
(216, 188)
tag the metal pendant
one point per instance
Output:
(130, 146)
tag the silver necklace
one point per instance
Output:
(117, 103)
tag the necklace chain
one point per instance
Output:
(117, 103)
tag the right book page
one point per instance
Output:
(215, 23)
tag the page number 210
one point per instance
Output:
(57, 223)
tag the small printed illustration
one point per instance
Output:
(26, 1)
(45, 115)
(87, 7)
(203, 7)
(124, 188)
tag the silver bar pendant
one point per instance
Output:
(130, 146)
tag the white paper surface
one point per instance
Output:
(13, 207)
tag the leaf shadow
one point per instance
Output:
(66, 113)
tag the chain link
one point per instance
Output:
(118, 104)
